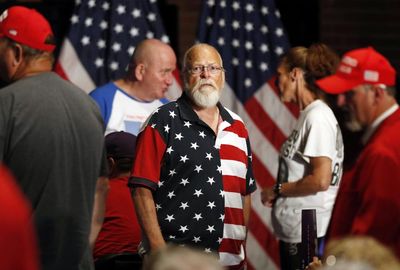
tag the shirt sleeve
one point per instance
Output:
(150, 149)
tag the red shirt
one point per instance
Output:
(120, 232)
(18, 244)
(368, 201)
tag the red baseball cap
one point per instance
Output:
(360, 66)
(26, 26)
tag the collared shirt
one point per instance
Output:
(371, 129)
(199, 178)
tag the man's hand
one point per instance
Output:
(268, 196)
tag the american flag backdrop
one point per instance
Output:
(250, 37)
(102, 38)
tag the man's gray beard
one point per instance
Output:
(204, 96)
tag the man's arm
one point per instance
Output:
(246, 209)
(146, 213)
(99, 209)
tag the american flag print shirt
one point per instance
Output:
(198, 178)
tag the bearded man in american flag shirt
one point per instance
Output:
(192, 175)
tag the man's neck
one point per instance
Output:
(209, 115)
(32, 68)
(132, 89)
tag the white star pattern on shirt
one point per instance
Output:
(184, 158)
(194, 145)
(187, 124)
(207, 250)
(198, 193)
(184, 181)
(172, 172)
(183, 229)
(196, 239)
(210, 228)
(202, 134)
(158, 207)
(136, 13)
(219, 240)
(101, 43)
(222, 217)
(172, 114)
(153, 126)
(211, 180)
(169, 150)
(198, 168)
(251, 182)
(170, 218)
(197, 216)
(160, 184)
(209, 156)
(184, 205)
(134, 32)
(219, 169)
(178, 136)
(121, 9)
(222, 193)
(166, 128)
(171, 236)
(211, 204)
(171, 194)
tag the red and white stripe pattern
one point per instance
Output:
(234, 154)
(268, 122)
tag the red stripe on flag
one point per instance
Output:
(231, 152)
(233, 216)
(265, 237)
(266, 125)
(231, 246)
(262, 175)
(234, 184)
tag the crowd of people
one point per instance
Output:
(125, 178)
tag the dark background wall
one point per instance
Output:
(342, 24)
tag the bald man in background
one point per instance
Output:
(126, 103)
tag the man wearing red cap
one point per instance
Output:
(51, 137)
(368, 202)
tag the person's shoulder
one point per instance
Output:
(104, 90)
(233, 115)
(320, 111)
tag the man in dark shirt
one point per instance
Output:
(192, 173)
(51, 137)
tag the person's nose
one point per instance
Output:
(169, 79)
(205, 73)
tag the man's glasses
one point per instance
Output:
(212, 69)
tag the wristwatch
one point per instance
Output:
(278, 189)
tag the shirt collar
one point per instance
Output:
(371, 129)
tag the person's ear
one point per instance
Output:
(18, 55)
(296, 74)
(111, 164)
(139, 72)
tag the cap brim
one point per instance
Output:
(336, 84)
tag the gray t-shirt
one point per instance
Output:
(51, 137)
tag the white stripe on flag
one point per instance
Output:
(174, 91)
(236, 232)
(281, 116)
(234, 168)
(73, 68)
(231, 259)
(233, 199)
(260, 146)
(232, 139)
(257, 257)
